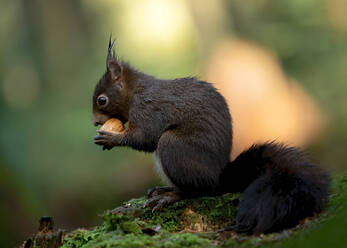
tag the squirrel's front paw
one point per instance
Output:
(105, 139)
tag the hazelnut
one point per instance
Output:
(113, 125)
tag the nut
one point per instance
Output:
(113, 125)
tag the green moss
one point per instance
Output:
(218, 209)
(136, 240)
(99, 238)
(186, 240)
(121, 222)
(210, 212)
(127, 240)
(126, 226)
(136, 202)
(168, 220)
(81, 237)
(193, 222)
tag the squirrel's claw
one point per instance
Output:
(105, 139)
(102, 133)
(160, 202)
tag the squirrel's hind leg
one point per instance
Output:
(191, 169)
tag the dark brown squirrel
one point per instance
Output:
(187, 124)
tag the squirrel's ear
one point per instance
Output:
(114, 69)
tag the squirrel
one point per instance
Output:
(186, 123)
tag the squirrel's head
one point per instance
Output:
(111, 97)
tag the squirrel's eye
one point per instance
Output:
(102, 100)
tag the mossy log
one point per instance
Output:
(188, 223)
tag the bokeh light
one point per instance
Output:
(156, 22)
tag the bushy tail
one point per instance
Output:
(280, 186)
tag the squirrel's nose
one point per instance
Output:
(96, 121)
(99, 119)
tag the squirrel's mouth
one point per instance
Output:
(100, 119)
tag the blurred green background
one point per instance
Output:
(52, 53)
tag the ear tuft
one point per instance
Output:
(113, 68)
(110, 51)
